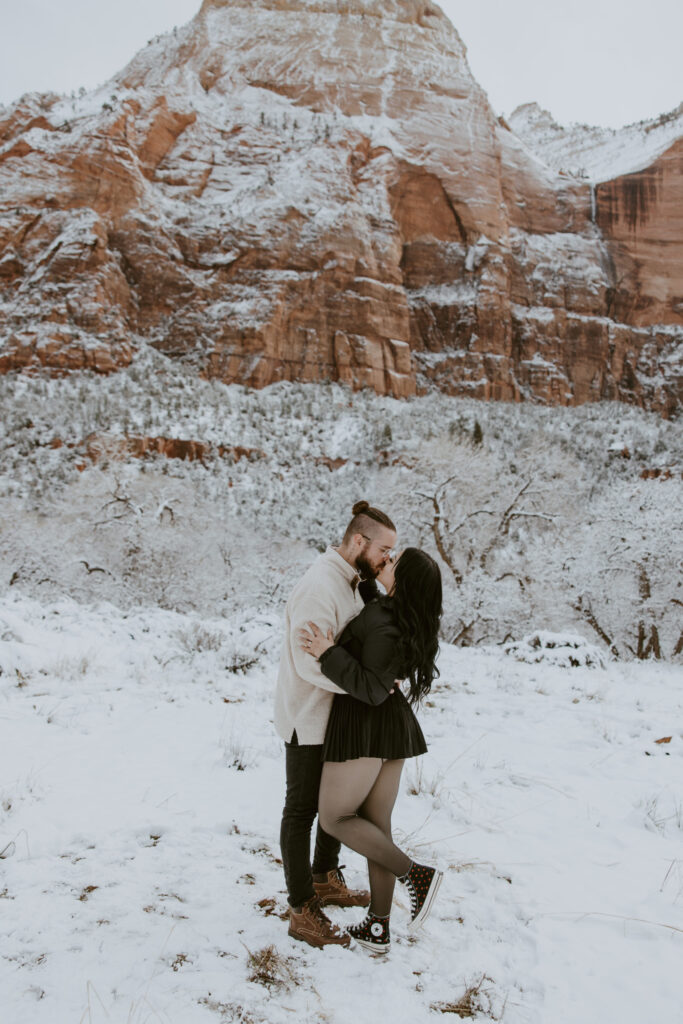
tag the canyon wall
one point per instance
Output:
(302, 190)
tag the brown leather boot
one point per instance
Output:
(312, 926)
(334, 892)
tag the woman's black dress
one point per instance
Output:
(373, 722)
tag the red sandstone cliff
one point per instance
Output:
(296, 189)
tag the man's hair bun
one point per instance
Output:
(366, 519)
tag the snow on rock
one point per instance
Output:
(307, 191)
(598, 154)
(636, 196)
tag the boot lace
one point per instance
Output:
(317, 911)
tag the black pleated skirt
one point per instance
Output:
(389, 730)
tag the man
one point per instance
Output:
(328, 595)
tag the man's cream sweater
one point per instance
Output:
(303, 696)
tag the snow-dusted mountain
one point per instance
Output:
(285, 189)
(598, 154)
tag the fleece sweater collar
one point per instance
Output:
(340, 563)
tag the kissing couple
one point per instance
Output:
(348, 727)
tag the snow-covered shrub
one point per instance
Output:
(563, 650)
(197, 639)
(236, 654)
(550, 521)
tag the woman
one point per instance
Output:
(370, 734)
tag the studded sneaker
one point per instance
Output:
(423, 884)
(372, 933)
(334, 892)
(311, 925)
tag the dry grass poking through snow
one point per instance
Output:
(270, 968)
(474, 1000)
(231, 1011)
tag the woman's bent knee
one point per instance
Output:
(330, 825)
(333, 824)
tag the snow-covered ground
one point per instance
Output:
(141, 785)
(141, 780)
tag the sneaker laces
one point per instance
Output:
(355, 929)
(364, 928)
(412, 891)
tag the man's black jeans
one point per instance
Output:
(304, 768)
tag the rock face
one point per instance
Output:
(642, 216)
(302, 189)
(636, 180)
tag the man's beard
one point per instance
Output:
(367, 571)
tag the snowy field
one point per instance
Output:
(141, 784)
(141, 781)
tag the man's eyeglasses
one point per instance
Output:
(390, 554)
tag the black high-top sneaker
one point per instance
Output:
(372, 933)
(423, 884)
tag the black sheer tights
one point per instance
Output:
(356, 801)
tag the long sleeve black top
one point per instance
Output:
(364, 661)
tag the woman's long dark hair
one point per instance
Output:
(417, 606)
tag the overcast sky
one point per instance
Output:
(595, 61)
